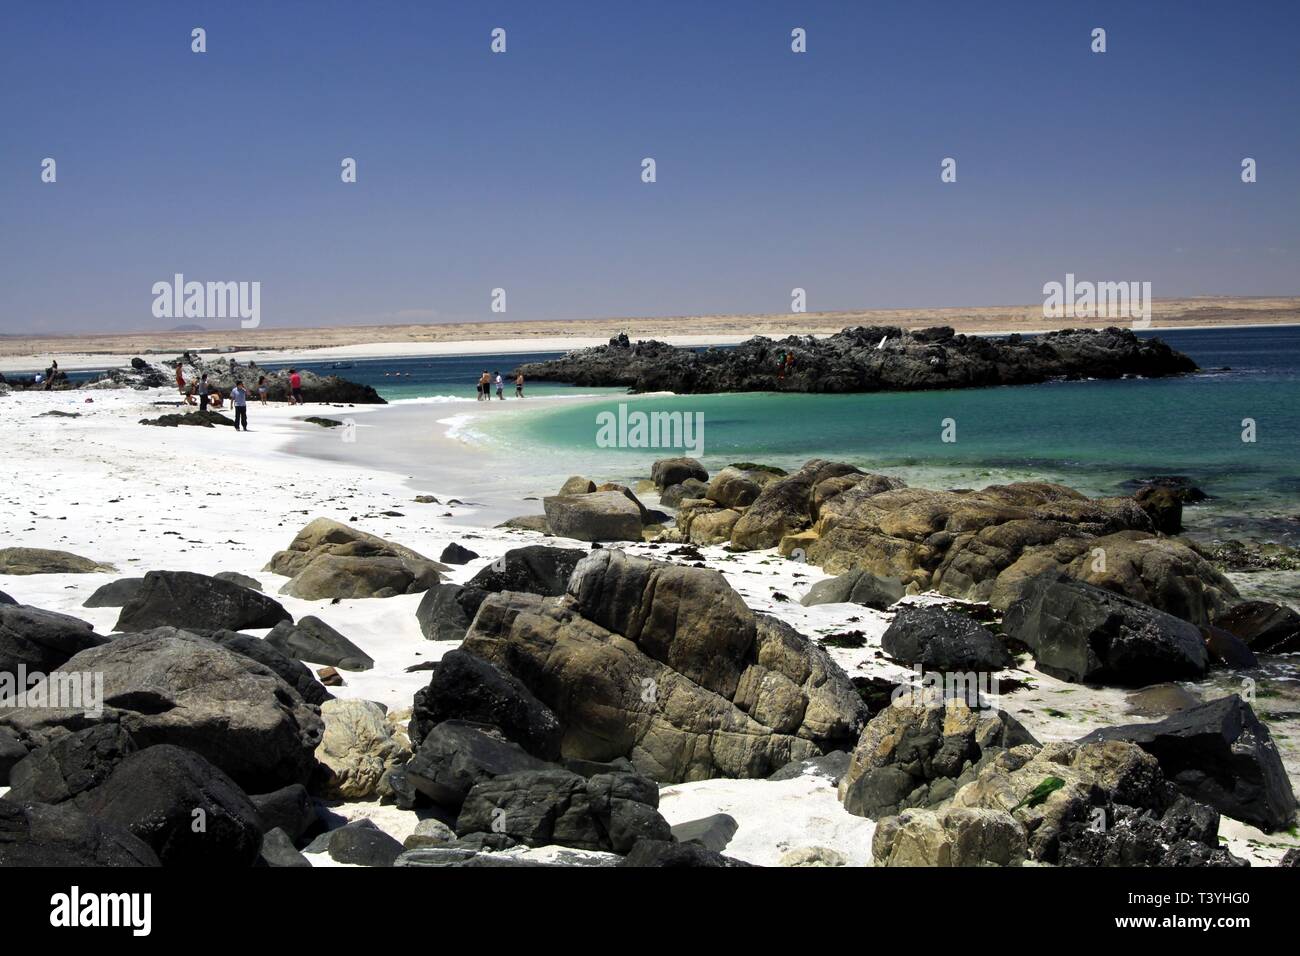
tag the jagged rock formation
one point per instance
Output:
(865, 359)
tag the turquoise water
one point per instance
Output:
(1090, 435)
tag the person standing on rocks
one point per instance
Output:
(239, 400)
(180, 378)
(204, 389)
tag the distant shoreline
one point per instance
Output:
(263, 345)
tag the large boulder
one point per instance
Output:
(1219, 754)
(599, 516)
(314, 641)
(734, 487)
(855, 587)
(674, 495)
(1266, 628)
(535, 569)
(951, 836)
(446, 610)
(1185, 834)
(1082, 633)
(45, 561)
(187, 810)
(187, 600)
(785, 505)
(556, 807)
(943, 640)
(664, 665)
(115, 593)
(455, 755)
(673, 471)
(465, 687)
(328, 560)
(171, 686)
(41, 835)
(40, 641)
(357, 749)
(915, 752)
(292, 671)
(988, 545)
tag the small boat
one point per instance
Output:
(341, 365)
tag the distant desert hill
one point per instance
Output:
(1166, 313)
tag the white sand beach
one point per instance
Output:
(211, 499)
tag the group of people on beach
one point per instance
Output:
(209, 395)
(487, 380)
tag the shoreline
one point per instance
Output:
(76, 357)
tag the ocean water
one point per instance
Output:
(1092, 435)
(449, 378)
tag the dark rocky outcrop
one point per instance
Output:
(538, 808)
(187, 600)
(69, 765)
(457, 554)
(1219, 754)
(866, 359)
(468, 688)
(292, 671)
(535, 569)
(40, 835)
(186, 809)
(1082, 633)
(943, 640)
(1266, 628)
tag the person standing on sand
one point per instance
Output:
(204, 388)
(261, 388)
(519, 385)
(239, 399)
(295, 387)
(500, 386)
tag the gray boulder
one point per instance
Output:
(599, 516)
(292, 671)
(446, 610)
(187, 600)
(46, 561)
(855, 587)
(535, 569)
(1266, 628)
(673, 471)
(170, 686)
(1081, 633)
(115, 593)
(312, 640)
(40, 641)
(456, 755)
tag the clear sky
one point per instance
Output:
(522, 170)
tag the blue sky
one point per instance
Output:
(522, 170)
